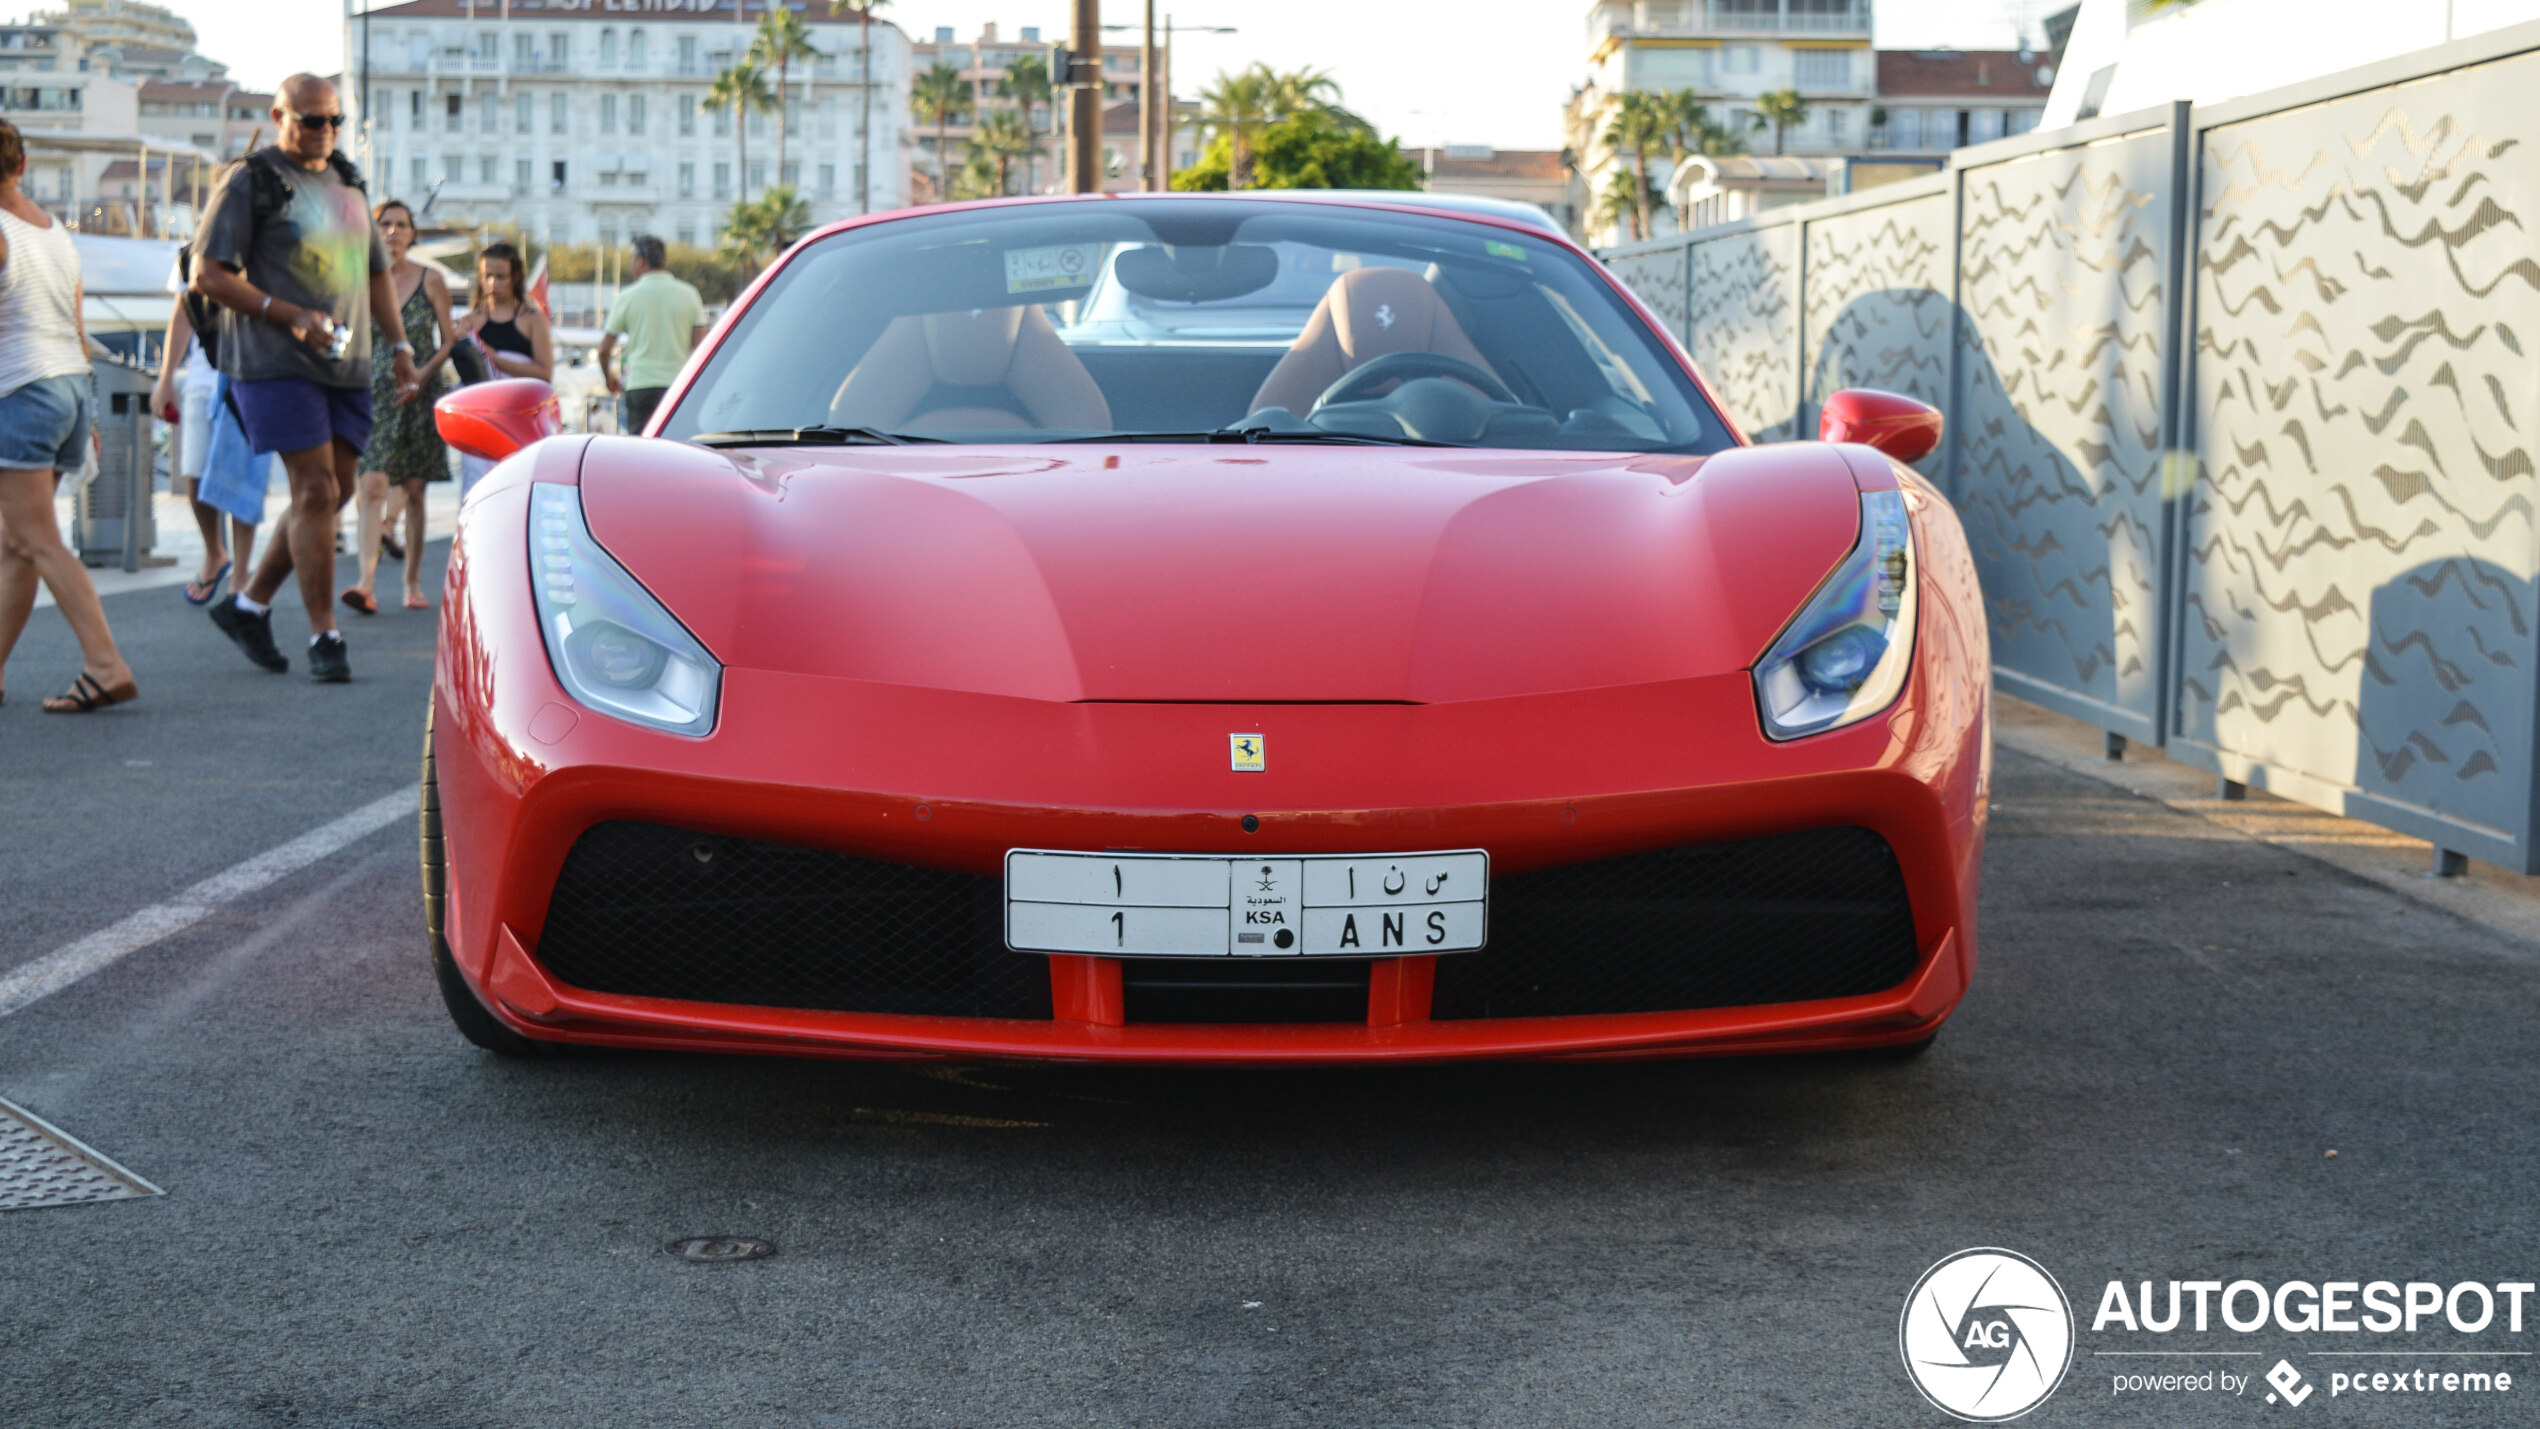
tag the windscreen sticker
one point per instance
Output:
(1498, 249)
(1029, 270)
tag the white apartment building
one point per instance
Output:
(585, 120)
(1729, 53)
(75, 120)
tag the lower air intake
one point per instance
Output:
(1791, 918)
(646, 910)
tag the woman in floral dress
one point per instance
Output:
(405, 448)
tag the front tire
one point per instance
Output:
(475, 1023)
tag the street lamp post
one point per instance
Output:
(1084, 78)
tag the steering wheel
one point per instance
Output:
(1402, 367)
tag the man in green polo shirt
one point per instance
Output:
(661, 319)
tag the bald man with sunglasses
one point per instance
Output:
(288, 250)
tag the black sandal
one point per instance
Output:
(85, 696)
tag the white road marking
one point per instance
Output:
(49, 974)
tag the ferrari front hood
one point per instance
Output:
(1226, 574)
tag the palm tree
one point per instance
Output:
(1620, 203)
(940, 93)
(1784, 110)
(863, 10)
(1308, 91)
(1640, 123)
(758, 231)
(1234, 101)
(1027, 82)
(1003, 136)
(782, 38)
(742, 89)
(978, 176)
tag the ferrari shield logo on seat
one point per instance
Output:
(1248, 753)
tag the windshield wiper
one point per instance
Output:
(808, 437)
(1248, 436)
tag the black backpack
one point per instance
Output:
(266, 195)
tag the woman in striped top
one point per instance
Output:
(44, 428)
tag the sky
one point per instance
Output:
(1497, 74)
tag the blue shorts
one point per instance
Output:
(293, 414)
(44, 425)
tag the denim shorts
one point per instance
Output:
(293, 414)
(45, 425)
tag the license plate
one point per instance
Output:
(1148, 905)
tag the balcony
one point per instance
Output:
(1801, 17)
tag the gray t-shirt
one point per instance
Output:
(317, 251)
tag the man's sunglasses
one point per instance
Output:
(320, 121)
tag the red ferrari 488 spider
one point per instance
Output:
(1202, 629)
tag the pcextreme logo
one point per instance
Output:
(1986, 1335)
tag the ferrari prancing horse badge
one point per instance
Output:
(1247, 753)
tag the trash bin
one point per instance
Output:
(113, 523)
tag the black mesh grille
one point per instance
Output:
(1245, 989)
(646, 910)
(1791, 918)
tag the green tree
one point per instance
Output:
(938, 94)
(1784, 110)
(782, 38)
(977, 176)
(1003, 137)
(1313, 150)
(863, 11)
(1639, 123)
(1231, 105)
(1621, 202)
(1027, 82)
(759, 229)
(743, 90)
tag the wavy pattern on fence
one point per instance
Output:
(1878, 303)
(2359, 595)
(1658, 277)
(2059, 474)
(1741, 306)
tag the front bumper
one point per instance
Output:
(945, 780)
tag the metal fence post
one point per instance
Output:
(2178, 460)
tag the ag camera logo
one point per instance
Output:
(1986, 1335)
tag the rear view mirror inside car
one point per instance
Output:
(1197, 275)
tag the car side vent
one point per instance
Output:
(647, 910)
(1791, 918)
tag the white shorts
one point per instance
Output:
(194, 428)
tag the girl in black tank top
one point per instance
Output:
(521, 336)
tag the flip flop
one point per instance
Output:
(416, 602)
(86, 696)
(392, 548)
(360, 600)
(208, 588)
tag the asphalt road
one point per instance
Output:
(367, 1222)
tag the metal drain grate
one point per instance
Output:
(41, 1166)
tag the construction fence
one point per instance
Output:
(2240, 401)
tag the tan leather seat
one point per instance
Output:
(1367, 313)
(1012, 352)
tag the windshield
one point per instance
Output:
(1162, 320)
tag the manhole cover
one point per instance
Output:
(42, 1166)
(717, 1249)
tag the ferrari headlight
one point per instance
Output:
(614, 647)
(1846, 656)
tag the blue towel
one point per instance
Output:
(234, 478)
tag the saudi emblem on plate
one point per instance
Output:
(1247, 753)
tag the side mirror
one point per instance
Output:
(1889, 421)
(494, 419)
